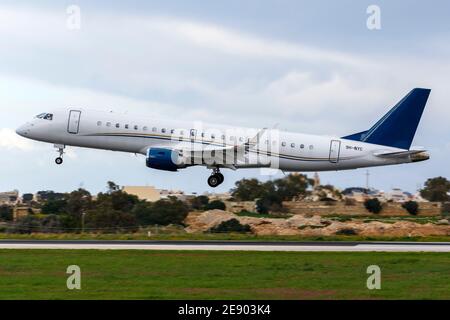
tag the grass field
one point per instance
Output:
(210, 236)
(41, 274)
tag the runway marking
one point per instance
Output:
(232, 246)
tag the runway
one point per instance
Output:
(325, 246)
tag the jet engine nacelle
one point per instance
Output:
(164, 159)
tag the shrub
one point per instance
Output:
(199, 203)
(216, 204)
(161, 212)
(446, 208)
(108, 220)
(346, 232)
(261, 206)
(412, 207)
(27, 224)
(373, 205)
(6, 213)
(232, 225)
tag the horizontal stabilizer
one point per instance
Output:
(398, 154)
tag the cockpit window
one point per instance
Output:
(45, 116)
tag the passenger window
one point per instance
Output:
(163, 130)
(99, 123)
(311, 147)
(108, 124)
(127, 126)
(136, 127)
(283, 144)
(302, 146)
(154, 129)
(117, 125)
(145, 128)
(213, 136)
(181, 133)
(223, 137)
(292, 145)
(172, 131)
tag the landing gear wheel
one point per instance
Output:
(60, 148)
(221, 177)
(214, 181)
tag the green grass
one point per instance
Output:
(211, 236)
(40, 274)
(264, 215)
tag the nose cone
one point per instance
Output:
(22, 131)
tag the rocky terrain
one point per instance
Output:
(316, 225)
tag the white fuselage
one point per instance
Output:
(135, 134)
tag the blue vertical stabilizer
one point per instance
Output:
(398, 126)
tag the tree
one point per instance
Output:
(27, 197)
(436, 189)
(248, 190)
(49, 195)
(373, 205)
(51, 223)
(216, 204)
(6, 213)
(107, 220)
(27, 224)
(412, 207)
(232, 225)
(54, 207)
(270, 195)
(112, 187)
(199, 203)
(162, 212)
(292, 186)
(78, 201)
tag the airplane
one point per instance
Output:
(171, 145)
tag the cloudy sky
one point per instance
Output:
(309, 66)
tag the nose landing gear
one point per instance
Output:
(61, 148)
(216, 178)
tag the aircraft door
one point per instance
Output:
(192, 135)
(335, 147)
(74, 122)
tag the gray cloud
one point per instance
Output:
(163, 65)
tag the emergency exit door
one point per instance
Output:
(335, 148)
(74, 122)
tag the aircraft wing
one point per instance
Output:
(196, 153)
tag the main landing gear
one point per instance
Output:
(61, 148)
(216, 178)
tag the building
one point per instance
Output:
(147, 193)
(166, 194)
(218, 196)
(398, 195)
(9, 198)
